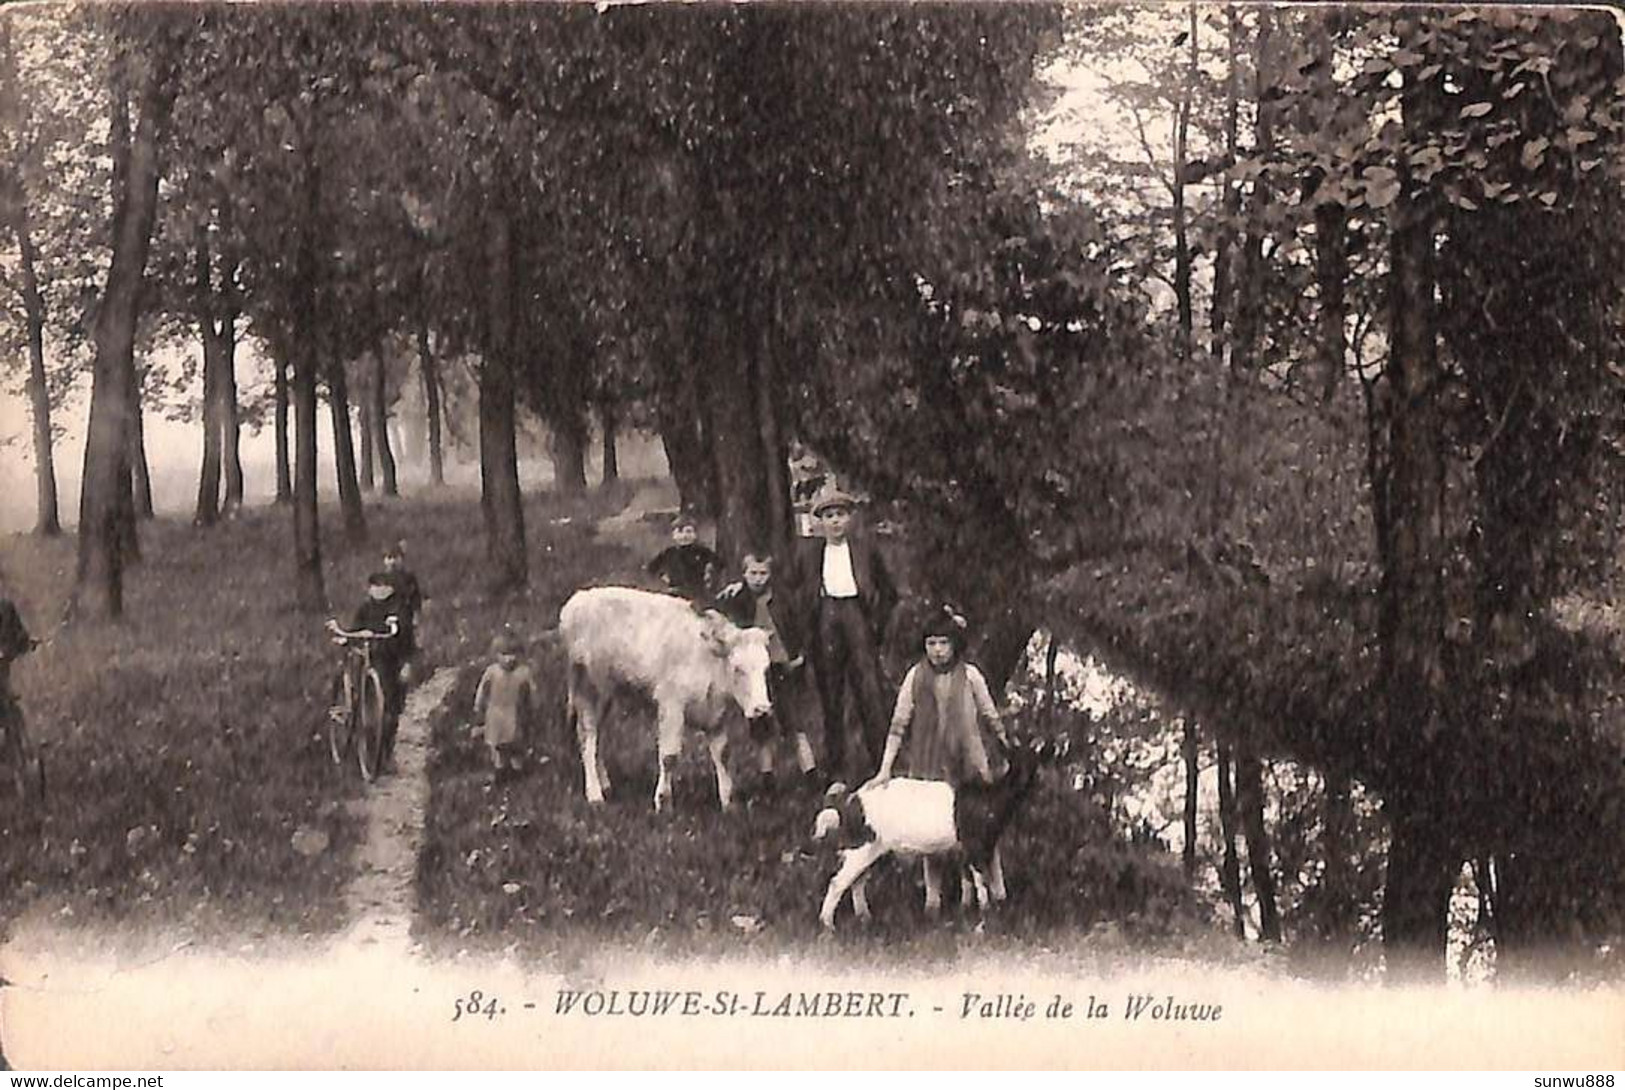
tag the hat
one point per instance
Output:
(396, 549)
(382, 579)
(684, 518)
(506, 643)
(832, 497)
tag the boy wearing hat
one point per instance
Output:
(504, 704)
(686, 566)
(847, 596)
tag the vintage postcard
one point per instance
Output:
(785, 536)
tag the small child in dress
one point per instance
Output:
(943, 708)
(504, 703)
(686, 566)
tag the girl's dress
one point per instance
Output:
(503, 699)
(940, 713)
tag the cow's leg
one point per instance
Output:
(933, 888)
(584, 706)
(718, 745)
(669, 744)
(605, 708)
(854, 862)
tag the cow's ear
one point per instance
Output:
(716, 630)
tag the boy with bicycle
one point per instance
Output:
(380, 613)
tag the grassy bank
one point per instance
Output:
(530, 863)
(189, 784)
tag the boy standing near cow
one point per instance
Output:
(847, 596)
(752, 603)
(686, 566)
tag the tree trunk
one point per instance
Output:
(104, 498)
(230, 416)
(736, 443)
(681, 435)
(380, 428)
(776, 464)
(1182, 250)
(431, 399)
(310, 592)
(1004, 645)
(501, 500)
(1337, 883)
(140, 469)
(569, 452)
(207, 511)
(1190, 746)
(1224, 245)
(1250, 803)
(49, 520)
(1331, 224)
(284, 478)
(1230, 867)
(1422, 864)
(338, 399)
(366, 423)
(609, 422)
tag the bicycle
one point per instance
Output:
(364, 715)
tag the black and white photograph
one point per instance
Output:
(812, 535)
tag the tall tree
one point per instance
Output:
(105, 497)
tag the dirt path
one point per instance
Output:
(380, 899)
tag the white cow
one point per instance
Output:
(694, 667)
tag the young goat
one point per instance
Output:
(926, 818)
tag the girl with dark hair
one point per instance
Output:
(942, 705)
(941, 708)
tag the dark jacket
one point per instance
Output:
(877, 593)
(687, 569)
(737, 602)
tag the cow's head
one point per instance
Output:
(744, 655)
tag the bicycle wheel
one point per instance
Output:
(341, 728)
(369, 747)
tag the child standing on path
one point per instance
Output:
(504, 703)
(686, 566)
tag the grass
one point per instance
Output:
(530, 862)
(185, 753)
(183, 745)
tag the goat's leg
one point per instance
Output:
(718, 745)
(980, 880)
(860, 897)
(670, 746)
(854, 861)
(995, 876)
(933, 888)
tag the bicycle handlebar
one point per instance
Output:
(343, 636)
